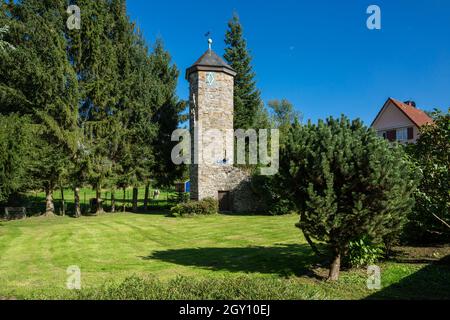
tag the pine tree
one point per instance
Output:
(166, 115)
(103, 107)
(347, 184)
(48, 92)
(124, 42)
(92, 50)
(135, 152)
(247, 98)
(15, 146)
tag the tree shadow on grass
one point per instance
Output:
(430, 283)
(155, 208)
(246, 214)
(283, 259)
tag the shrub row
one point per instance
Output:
(187, 288)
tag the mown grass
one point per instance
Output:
(152, 256)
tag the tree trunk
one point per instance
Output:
(98, 199)
(63, 204)
(335, 265)
(49, 205)
(124, 200)
(135, 199)
(147, 193)
(113, 202)
(312, 244)
(76, 193)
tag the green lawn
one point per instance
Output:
(35, 253)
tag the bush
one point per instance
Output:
(204, 207)
(182, 197)
(363, 253)
(272, 193)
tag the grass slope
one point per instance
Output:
(254, 252)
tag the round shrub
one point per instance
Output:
(208, 206)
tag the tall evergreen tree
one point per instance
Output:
(247, 98)
(135, 153)
(167, 115)
(124, 39)
(93, 54)
(48, 92)
(103, 107)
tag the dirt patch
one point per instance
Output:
(438, 254)
(430, 254)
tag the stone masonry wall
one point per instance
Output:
(212, 107)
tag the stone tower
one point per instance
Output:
(211, 121)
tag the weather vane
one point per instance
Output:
(210, 41)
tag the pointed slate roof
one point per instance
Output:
(210, 61)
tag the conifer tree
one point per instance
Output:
(247, 98)
(166, 115)
(103, 107)
(135, 152)
(48, 92)
(347, 184)
(92, 50)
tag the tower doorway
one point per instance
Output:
(224, 201)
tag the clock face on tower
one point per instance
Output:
(210, 79)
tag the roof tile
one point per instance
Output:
(417, 116)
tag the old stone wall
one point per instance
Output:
(212, 171)
(211, 180)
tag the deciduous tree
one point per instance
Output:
(430, 220)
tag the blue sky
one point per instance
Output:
(318, 54)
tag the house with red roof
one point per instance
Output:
(400, 121)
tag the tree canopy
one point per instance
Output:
(103, 106)
(430, 220)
